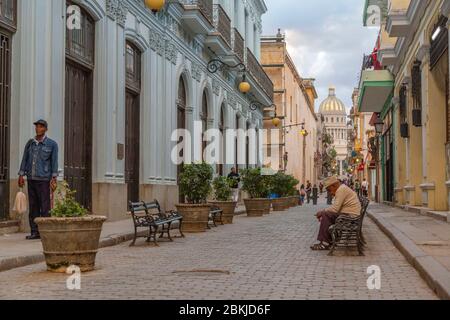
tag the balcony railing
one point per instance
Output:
(238, 45)
(223, 23)
(258, 73)
(204, 6)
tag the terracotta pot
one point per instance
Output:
(257, 207)
(280, 204)
(195, 217)
(228, 208)
(70, 241)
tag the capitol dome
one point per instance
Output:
(332, 105)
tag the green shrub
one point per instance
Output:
(255, 184)
(222, 189)
(65, 204)
(195, 182)
(283, 185)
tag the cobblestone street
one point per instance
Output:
(255, 258)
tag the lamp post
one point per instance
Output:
(156, 5)
(217, 64)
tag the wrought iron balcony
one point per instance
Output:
(257, 72)
(238, 45)
(223, 24)
(198, 15)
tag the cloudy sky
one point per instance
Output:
(325, 38)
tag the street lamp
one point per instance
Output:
(379, 125)
(217, 64)
(155, 5)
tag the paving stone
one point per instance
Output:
(260, 258)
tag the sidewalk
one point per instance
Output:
(17, 252)
(423, 240)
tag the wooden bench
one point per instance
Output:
(215, 216)
(347, 231)
(149, 215)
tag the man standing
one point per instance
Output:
(40, 166)
(234, 183)
(346, 202)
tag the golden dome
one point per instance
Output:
(332, 105)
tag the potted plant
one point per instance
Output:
(257, 187)
(70, 236)
(222, 196)
(195, 185)
(279, 186)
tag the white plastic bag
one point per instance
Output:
(21, 203)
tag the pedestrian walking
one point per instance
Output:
(357, 187)
(40, 167)
(321, 187)
(234, 178)
(308, 191)
(302, 194)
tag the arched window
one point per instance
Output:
(332, 120)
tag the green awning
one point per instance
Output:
(376, 88)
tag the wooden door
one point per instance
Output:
(80, 61)
(132, 121)
(181, 124)
(132, 141)
(5, 97)
(78, 132)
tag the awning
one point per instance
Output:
(376, 88)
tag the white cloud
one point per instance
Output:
(325, 38)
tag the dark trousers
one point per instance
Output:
(328, 219)
(39, 200)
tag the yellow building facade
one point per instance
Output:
(415, 143)
(294, 103)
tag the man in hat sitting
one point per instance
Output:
(346, 202)
(40, 167)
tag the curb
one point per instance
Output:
(435, 275)
(22, 261)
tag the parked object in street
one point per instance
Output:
(70, 236)
(315, 195)
(223, 199)
(258, 188)
(195, 185)
(150, 216)
(215, 217)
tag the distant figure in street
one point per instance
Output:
(40, 166)
(308, 191)
(234, 178)
(357, 187)
(321, 187)
(346, 202)
(365, 188)
(302, 194)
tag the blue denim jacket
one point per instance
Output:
(40, 160)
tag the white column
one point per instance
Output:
(105, 102)
(120, 96)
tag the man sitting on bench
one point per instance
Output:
(345, 202)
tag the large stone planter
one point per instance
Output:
(257, 207)
(228, 208)
(294, 201)
(195, 217)
(281, 204)
(70, 241)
